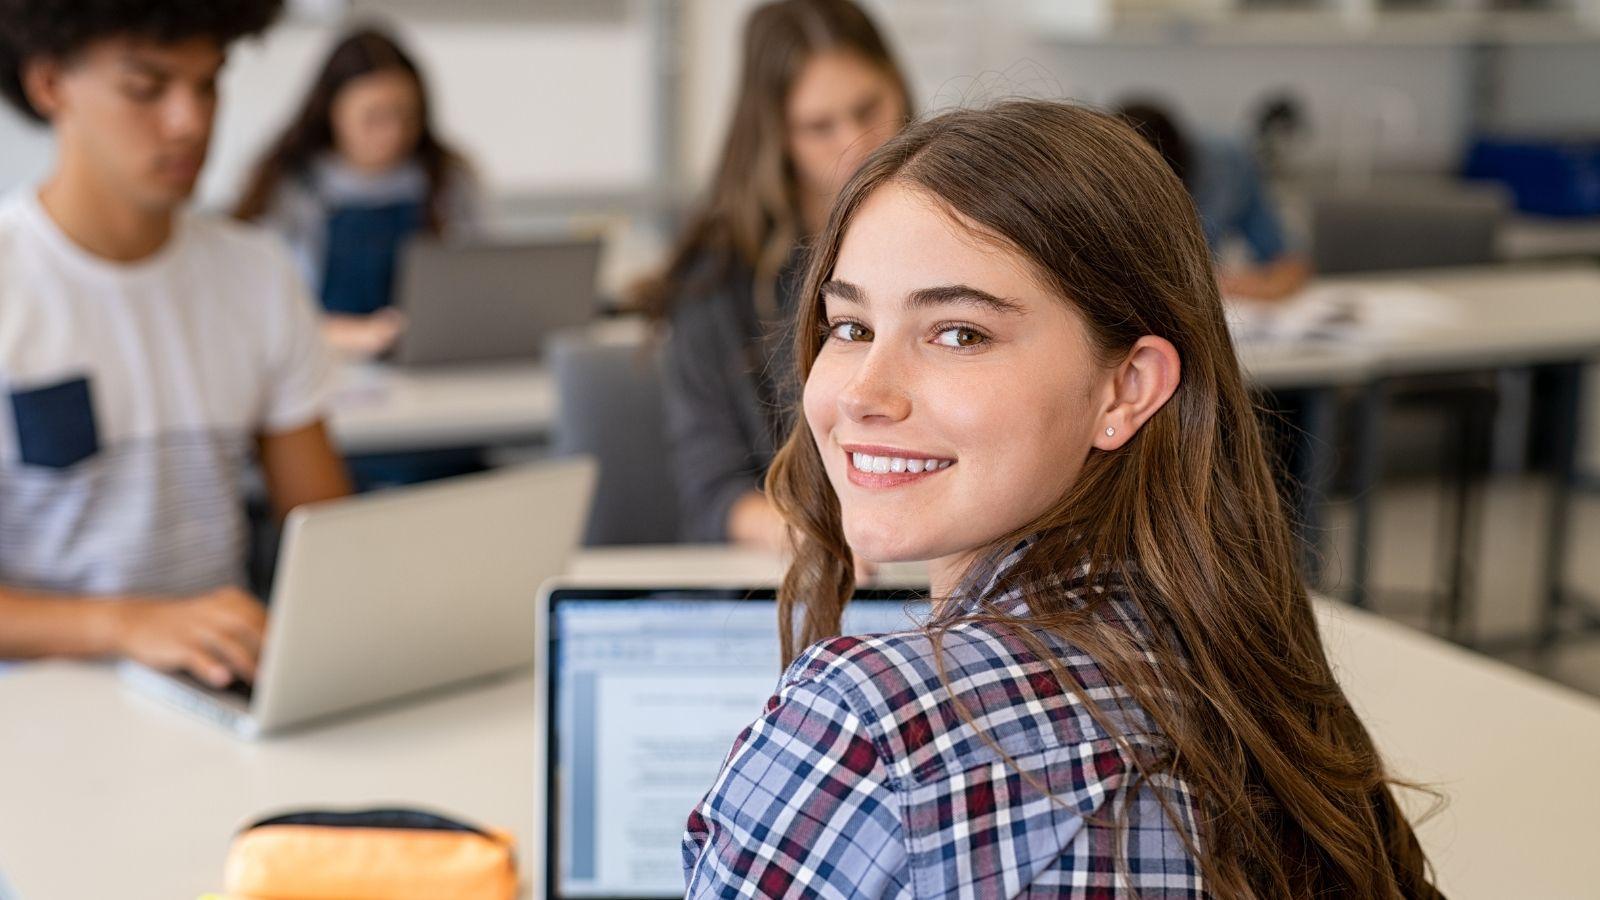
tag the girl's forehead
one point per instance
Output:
(903, 239)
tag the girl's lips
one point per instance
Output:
(892, 479)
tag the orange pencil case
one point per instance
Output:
(379, 854)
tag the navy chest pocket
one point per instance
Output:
(55, 424)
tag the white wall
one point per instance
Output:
(538, 105)
(24, 150)
(1550, 86)
(962, 53)
(1405, 106)
(712, 30)
(560, 104)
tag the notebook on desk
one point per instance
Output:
(642, 692)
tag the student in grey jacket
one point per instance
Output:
(819, 91)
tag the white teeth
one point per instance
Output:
(882, 465)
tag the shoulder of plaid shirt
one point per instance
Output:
(869, 775)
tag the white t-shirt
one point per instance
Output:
(132, 396)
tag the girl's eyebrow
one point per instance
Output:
(942, 295)
(964, 295)
(844, 290)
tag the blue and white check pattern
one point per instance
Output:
(868, 776)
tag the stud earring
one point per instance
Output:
(1111, 432)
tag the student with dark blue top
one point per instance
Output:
(1232, 198)
(358, 173)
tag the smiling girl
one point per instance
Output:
(1016, 367)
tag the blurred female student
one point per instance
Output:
(1016, 367)
(358, 173)
(818, 91)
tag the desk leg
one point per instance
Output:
(1368, 460)
(1566, 407)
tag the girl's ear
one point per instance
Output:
(1141, 384)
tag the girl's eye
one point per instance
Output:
(960, 337)
(849, 332)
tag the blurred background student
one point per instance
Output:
(150, 355)
(818, 92)
(359, 172)
(1234, 204)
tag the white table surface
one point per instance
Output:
(107, 794)
(378, 408)
(1502, 316)
(1543, 237)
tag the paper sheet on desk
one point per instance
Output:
(1376, 312)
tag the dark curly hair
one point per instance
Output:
(60, 28)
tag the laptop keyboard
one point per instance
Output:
(236, 688)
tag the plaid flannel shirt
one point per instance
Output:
(865, 778)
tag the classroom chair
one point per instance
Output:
(609, 388)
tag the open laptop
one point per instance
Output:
(483, 302)
(389, 594)
(642, 692)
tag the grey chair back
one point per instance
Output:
(1373, 231)
(609, 392)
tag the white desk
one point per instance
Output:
(106, 794)
(380, 408)
(1501, 316)
(1497, 316)
(1547, 237)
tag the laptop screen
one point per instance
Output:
(648, 691)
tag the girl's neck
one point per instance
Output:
(945, 574)
(369, 170)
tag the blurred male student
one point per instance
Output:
(146, 353)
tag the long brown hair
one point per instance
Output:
(1184, 519)
(364, 51)
(750, 219)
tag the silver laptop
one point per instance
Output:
(642, 692)
(391, 594)
(484, 302)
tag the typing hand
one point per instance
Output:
(364, 336)
(214, 636)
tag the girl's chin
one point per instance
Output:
(872, 547)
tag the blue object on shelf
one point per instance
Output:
(1546, 176)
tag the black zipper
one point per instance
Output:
(403, 819)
